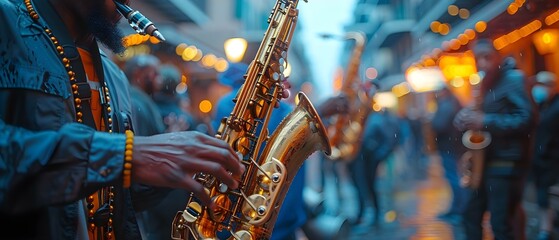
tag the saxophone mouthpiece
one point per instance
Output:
(138, 21)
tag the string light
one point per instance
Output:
(481, 26)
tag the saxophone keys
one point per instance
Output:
(282, 63)
(222, 188)
(222, 203)
(276, 76)
(243, 235)
(261, 210)
(192, 212)
(276, 177)
(284, 54)
(254, 207)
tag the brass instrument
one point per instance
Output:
(250, 211)
(472, 162)
(347, 130)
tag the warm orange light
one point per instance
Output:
(133, 40)
(546, 41)
(546, 38)
(205, 106)
(180, 48)
(481, 26)
(435, 26)
(512, 9)
(376, 107)
(221, 65)
(444, 28)
(199, 55)
(500, 43)
(385, 99)
(189, 53)
(517, 34)
(401, 89)
(453, 10)
(154, 40)
(464, 13)
(463, 39)
(513, 36)
(429, 62)
(552, 18)
(338, 79)
(471, 34)
(425, 79)
(455, 44)
(457, 65)
(235, 49)
(209, 60)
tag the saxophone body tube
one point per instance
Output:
(138, 21)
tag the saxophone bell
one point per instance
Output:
(140, 23)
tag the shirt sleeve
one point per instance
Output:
(44, 168)
(519, 116)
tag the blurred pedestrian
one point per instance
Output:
(379, 141)
(507, 114)
(169, 100)
(546, 151)
(450, 148)
(143, 73)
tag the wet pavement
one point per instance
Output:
(410, 204)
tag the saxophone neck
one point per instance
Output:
(355, 61)
(477, 94)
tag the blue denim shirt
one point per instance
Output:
(48, 162)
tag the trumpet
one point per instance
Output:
(140, 23)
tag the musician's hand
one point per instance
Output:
(334, 105)
(475, 121)
(468, 119)
(172, 159)
(285, 86)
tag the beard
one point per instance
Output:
(104, 29)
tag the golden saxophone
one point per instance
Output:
(472, 161)
(347, 130)
(250, 211)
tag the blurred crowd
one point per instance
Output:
(520, 114)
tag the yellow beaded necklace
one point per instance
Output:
(106, 194)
